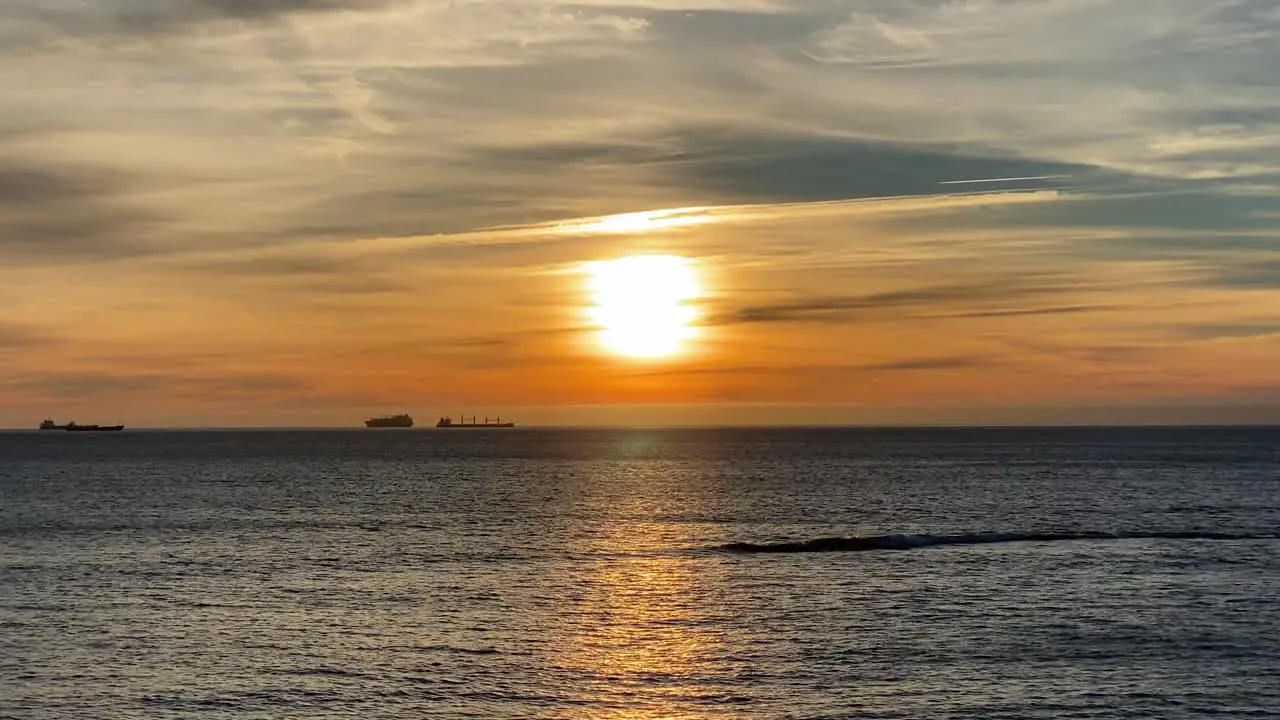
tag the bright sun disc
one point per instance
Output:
(642, 304)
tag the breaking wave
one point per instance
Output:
(910, 542)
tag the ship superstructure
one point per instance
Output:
(447, 422)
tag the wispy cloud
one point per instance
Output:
(932, 363)
(96, 385)
(67, 211)
(1232, 331)
(56, 22)
(14, 336)
(1002, 180)
(996, 291)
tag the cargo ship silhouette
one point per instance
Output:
(73, 427)
(447, 422)
(390, 421)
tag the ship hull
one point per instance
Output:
(94, 428)
(396, 421)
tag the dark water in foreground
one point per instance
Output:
(591, 574)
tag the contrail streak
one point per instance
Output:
(1009, 179)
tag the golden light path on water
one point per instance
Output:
(643, 304)
(642, 636)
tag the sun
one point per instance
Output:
(643, 304)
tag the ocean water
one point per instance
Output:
(1032, 573)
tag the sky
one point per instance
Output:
(306, 212)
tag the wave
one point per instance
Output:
(911, 542)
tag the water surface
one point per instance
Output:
(1009, 573)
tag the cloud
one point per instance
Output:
(540, 244)
(16, 337)
(1230, 331)
(841, 370)
(961, 362)
(273, 265)
(997, 292)
(49, 21)
(1256, 273)
(66, 211)
(98, 385)
(358, 119)
(782, 167)
(1149, 86)
(308, 276)
(982, 33)
(1031, 311)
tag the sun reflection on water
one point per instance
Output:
(647, 642)
(648, 636)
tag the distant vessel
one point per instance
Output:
(447, 422)
(389, 421)
(72, 427)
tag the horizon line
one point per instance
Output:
(701, 426)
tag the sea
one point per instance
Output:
(641, 573)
